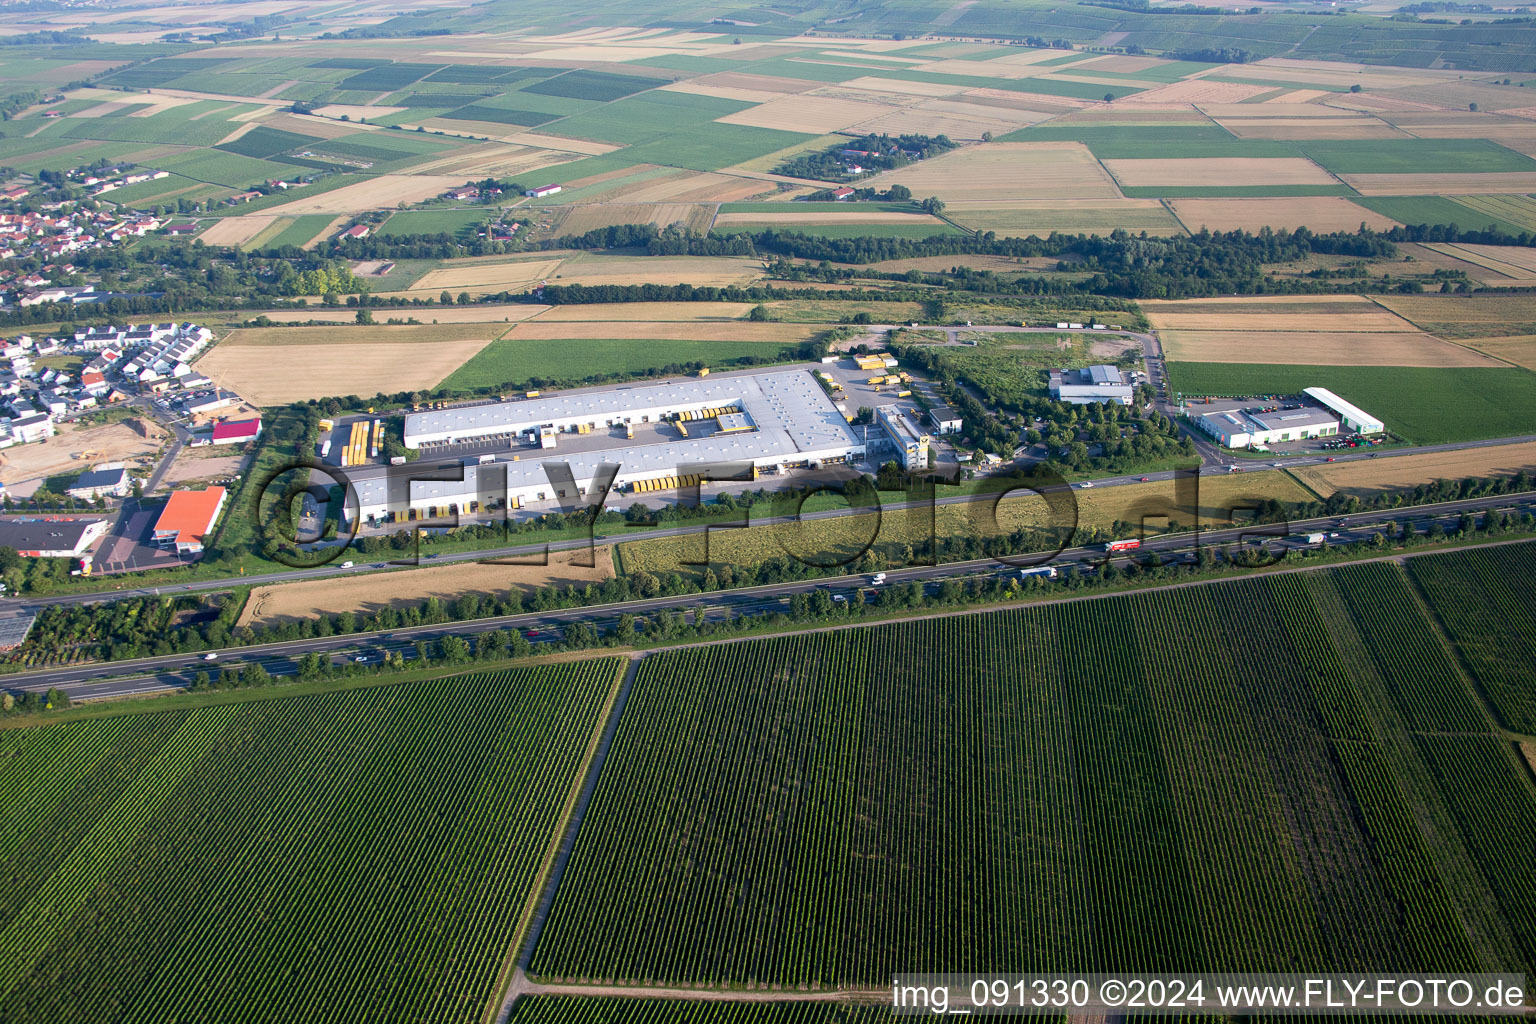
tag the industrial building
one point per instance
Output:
(236, 431)
(187, 518)
(51, 536)
(944, 419)
(1094, 384)
(1352, 416)
(910, 440)
(107, 480)
(1241, 428)
(773, 422)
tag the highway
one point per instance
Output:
(145, 675)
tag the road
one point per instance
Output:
(145, 675)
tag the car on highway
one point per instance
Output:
(211, 656)
(1146, 479)
(360, 658)
(346, 565)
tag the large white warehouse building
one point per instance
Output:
(1353, 417)
(774, 421)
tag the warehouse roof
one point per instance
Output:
(98, 479)
(786, 400)
(1339, 405)
(1286, 419)
(188, 515)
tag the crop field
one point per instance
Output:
(1448, 183)
(577, 220)
(1317, 213)
(1379, 477)
(1482, 599)
(1439, 210)
(1319, 348)
(521, 360)
(278, 365)
(1127, 801)
(1192, 172)
(579, 1010)
(381, 192)
(1157, 506)
(1426, 405)
(1514, 262)
(1467, 316)
(1519, 349)
(327, 819)
(671, 312)
(989, 176)
(433, 222)
(367, 594)
(1069, 216)
(545, 329)
(238, 230)
(1273, 312)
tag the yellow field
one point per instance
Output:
(695, 270)
(1318, 213)
(693, 187)
(236, 230)
(686, 330)
(1069, 216)
(384, 192)
(1281, 170)
(1319, 348)
(673, 312)
(813, 115)
(1272, 312)
(490, 314)
(1198, 91)
(818, 539)
(1493, 310)
(1519, 349)
(850, 216)
(1403, 472)
(965, 122)
(589, 217)
(1281, 128)
(370, 592)
(1511, 261)
(1002, 171)
(277, 365)
(486, 277)
(1441, 184)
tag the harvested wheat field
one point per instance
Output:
(1512, 261)
(77, 449)
(366, 594)
(1221, 171)
(672, 312)
(1069, 216)
(486, 277)
(1492, 310)
(384, 192)
(235, 230)
(695, 270)
(1318, 213)
(1519, 349)
(1272, 313)
(791, 217)
(693, 187)
(1003, 171)
(1198, 91)
(589, 217)
(811, 116)
(1309, 129)
(1403, 472)
(499, 313)
(1157, 504)
(960, 124)
(1319, 348)
(1442, 184)
(685, 330)
(277, 365)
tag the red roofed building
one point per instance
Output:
(236, 431)
(842, 193)
(356, 231)
(187, 518)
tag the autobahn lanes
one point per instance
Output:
(102, 680)
(534, 547)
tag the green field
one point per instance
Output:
(645, 118)
(302, 230)
(1130, 142)
(593, 85)
(514, 361)
(1415, 156)
(1435, 210)
(1423, 404)
(1112, 784)
(262, 141)
(361, 855)
(1483, 600)
(433, 222)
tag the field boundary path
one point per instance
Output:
(522, 985)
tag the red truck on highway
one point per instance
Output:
(1122, 545)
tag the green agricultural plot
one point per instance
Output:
(515, 361)
(578, 1010)
(1121, 775)
(1426, 405)
(219, 168)
(710, 146)
(262, 141)
(496, 115)
(175, 126)
(433, 222)
(353, 832)
(390, 76)
(1436, 210)
(159, 72)
(653, 115)
(593, 85)
(1415, 156)
(1131, 142)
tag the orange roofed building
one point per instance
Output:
(187, 518)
